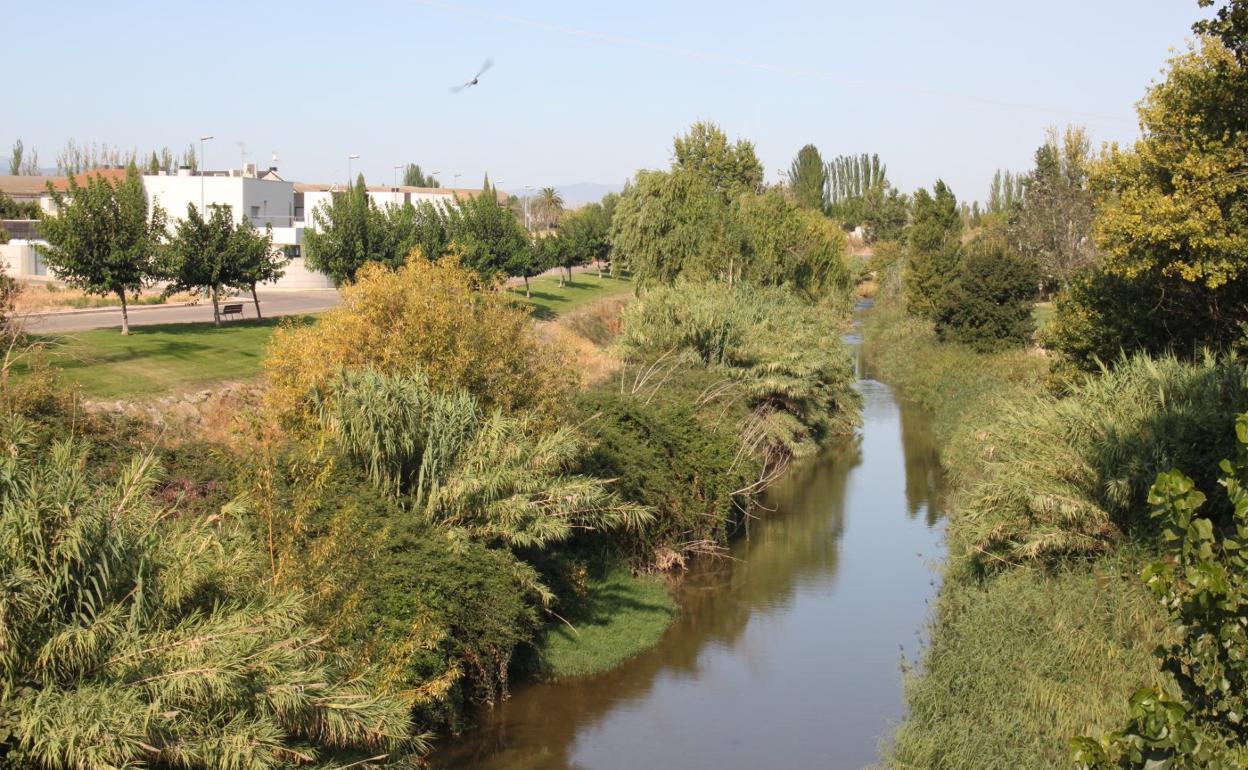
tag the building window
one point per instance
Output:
(255, 211)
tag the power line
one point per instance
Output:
(780, 69)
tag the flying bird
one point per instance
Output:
(475, 78)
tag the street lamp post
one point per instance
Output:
(351, 157)
(527, 195)
(396, 183)
(455, 181)
(202, 139)
(434, 174)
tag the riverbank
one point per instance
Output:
(1028, 649)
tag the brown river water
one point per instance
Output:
(787, 655)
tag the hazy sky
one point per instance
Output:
(584, 91)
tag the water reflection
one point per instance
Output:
(785, 655)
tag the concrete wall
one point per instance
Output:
(299, 276)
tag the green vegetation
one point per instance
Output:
(1172, 221)
(619, 616)
(705, 220)
(134, 636)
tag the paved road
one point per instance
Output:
(272, 303)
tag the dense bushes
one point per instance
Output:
(1059, 476)
(675, 451)
(782, 356)
(988, 306)
(132, 635)
(427, 315)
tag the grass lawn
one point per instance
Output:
(153, 360)
(550, 299)
(620, 617)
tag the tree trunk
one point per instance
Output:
(569, 274)
(526, 288)
(216, 312)
(256, 300)
(599, 263)
(125, 317)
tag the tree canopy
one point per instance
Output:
(808, 178)
(102, 238)
(729, 168)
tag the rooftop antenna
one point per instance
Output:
(273, 159)
(242, 153)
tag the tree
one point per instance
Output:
(11, 209)
(886, 212)
(549, 207)
(15, 161)
(485, 234)
(785, 244)
(669, 224)
(102, 239)
(1053, 226)
(1172, 222)
(988, 306)
(933, 249)
(137, 637)
(808, 177)
(850, 179)
(255, 259)
(730, 169)
(414, 177)
(199, 256)
(587, 232)
(528, 263)
(349, 232)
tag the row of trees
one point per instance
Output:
(852, 189)
(105, 240)
(485, 234)
(77, 158)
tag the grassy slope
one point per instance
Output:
(1022, 661)
(620, 616)
(154, 360)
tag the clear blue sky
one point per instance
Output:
(584, 91)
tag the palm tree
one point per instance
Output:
(132, 636)
(549, 206)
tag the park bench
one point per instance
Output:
(232, 310)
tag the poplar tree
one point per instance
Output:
(808, 177)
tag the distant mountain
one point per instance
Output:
(580, 193)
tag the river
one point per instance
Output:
(787, 655)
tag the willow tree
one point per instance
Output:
(135, 637)
(730, 168)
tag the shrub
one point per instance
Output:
(988, 307)
(680, 458)
(1102, 314)
(428, 315)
